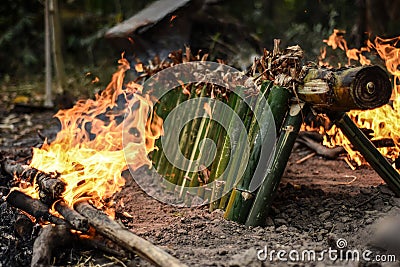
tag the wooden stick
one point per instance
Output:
(306, 158)
(329, 153)
(125, 238)
(33, 207)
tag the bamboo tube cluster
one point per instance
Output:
(288, 93)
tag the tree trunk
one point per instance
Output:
(48, 102)
(56, 34)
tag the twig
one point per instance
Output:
(349, 163)
(306, 157)
(368, 200)
(350, 182)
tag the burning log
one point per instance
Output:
(75, 219)
(15, 169)
(125, 238)
(33, 207)
(50, 187)
(313, 141)
(383, 142)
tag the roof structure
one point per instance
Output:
(146, 18)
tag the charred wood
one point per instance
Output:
(99, 242)
(23, 226)
(15, 169)
(384, 142)
(316, 136)
(125, 238)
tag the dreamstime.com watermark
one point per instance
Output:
(341, 254)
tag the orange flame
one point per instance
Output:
(384, 121)
(88, 151)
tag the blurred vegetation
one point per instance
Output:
(303, 22)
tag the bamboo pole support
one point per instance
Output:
(358, 139)
(252, 126)
(241, 198)
(286, 140)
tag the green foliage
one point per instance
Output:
(21, 38)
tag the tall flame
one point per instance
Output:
(88, 151)
(384, 121)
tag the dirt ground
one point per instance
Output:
(321, 205)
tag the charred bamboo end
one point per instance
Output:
(371, 88)
(360, 88)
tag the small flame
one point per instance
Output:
(88, 151)
(384, 121)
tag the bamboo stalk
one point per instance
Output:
(286, 140)
(241, 198)
(162, 109)
(344, 89)
(202, 130)
(229, 144)
(220, 144)
(252, 127)
(163, 162)
(190, 130)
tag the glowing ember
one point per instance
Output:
(384, 120)
(88, 151)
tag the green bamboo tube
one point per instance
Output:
(361, 143)
(220, 145)
(241, 199)
(214, 133)
(193, 129)
(202, 131)
(163, 161)
(286, 140)
(162, 110)
(251, 126)
(221, 138)
(237, 162)
(187, 131)
(225, 155)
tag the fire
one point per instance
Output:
(88, 151)
(384, 121)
